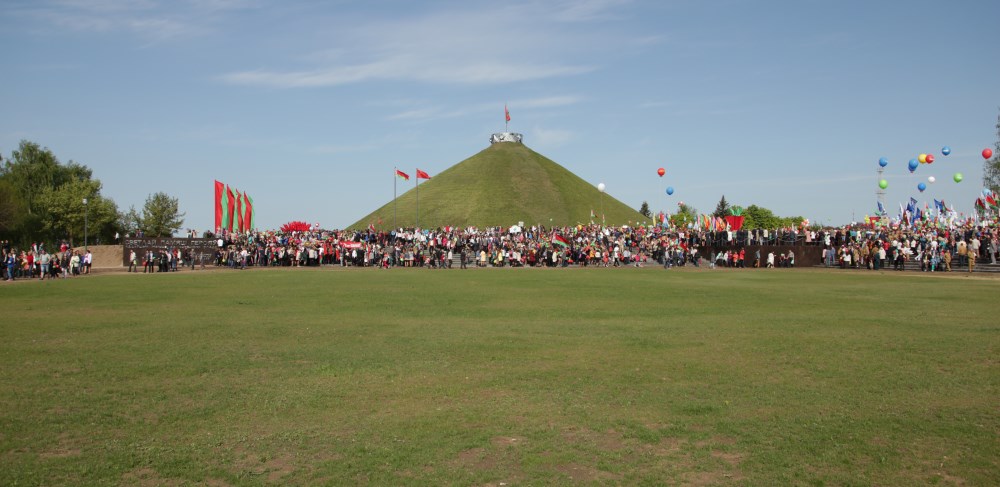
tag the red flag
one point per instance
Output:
(560, 240)
(422, 175)
(241, 227)
(506, 113)
(219, 190)
(231, 201)
(247, 211)
(402, 174)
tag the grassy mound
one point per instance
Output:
(502, 185)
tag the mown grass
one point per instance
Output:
(530, 376)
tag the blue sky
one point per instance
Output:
(308, 105)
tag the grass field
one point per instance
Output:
(501, 377)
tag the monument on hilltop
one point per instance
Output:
(506, 135)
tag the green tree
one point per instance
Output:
(644, 210)
(991, 167)
(757, 217)
(11, 209)
(722, 209)
(33, 169)
(685, 214)
(129, 221)
(63, 213)
(161, 216)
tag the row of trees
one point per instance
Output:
(753, 216)
(42, 199)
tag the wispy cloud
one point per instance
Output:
(151, 20)
(483, 45)
(416, 111)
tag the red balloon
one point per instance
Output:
(930, 158)
(661, 171)
(987, 153)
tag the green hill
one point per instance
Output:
(504, 184)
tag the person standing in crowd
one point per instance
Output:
(972, 254)
(10, 262)
(132, 261)
(43, 263)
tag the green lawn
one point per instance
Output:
(510, 376)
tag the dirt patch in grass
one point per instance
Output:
(475, 458)
(584, 473)
(609, 440)
(147, 477)
(698, 479)
(66, 447)
(502, 441)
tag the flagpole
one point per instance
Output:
(417, 178)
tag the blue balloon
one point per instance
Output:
(921, 187)
(946, 150)
(913, 164)
(883, 162)
(670, 190)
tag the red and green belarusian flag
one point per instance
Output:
(402, 175)
(248, 215)
(559, 240)
(220, 206)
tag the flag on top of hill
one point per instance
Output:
(559, 240)
(422, 175)
(401, 174)
(506, 113)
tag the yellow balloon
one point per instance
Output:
(922, 158)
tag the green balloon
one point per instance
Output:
(883, 184)
(958, 177)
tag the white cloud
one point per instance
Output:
(419, 111)
(151, 20)
(488, 45)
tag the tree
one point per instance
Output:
(129, 222)
(757, 217)
(722, 209)
(161, 216)
(991, 167)
(644, 210)
(33, 169)
(63, 213)
(11, 208)
(685, 214)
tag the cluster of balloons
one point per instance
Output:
(928, 159)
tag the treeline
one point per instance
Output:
(753, 216)
(45, 200)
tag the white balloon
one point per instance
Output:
(930, 179)
(600, 187)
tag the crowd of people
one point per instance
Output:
(935, 249)
(38, 262)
